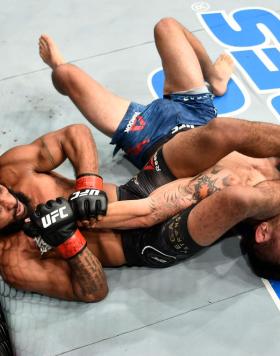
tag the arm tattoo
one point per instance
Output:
(204, 187)
(49, 155)
(216, 169)
(186, 193)
(88, 273)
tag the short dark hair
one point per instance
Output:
(262, 263)
(12, 228)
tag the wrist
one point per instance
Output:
(72, 246)
(89, 180)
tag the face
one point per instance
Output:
(14, 208)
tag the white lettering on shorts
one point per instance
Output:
(157, 167)
(180, 127)
(131, 121)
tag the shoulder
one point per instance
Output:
(15, 252)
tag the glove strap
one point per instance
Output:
(89, 180)
(71, 247)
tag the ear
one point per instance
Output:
(263, 233)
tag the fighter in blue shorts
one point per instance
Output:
(141, 129)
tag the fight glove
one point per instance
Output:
(89, 200)
(55, 223)
(89, 180)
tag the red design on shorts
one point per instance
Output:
(150, 166)
(138, 124)
(138, 148)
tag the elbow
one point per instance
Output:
(236, 200)
(95, 296)
(102, 294)
(78, 129)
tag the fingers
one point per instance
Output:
(87, 224)
(90, 223)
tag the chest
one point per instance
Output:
(249, 171)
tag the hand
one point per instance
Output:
(88, 203)
(92, 223)
(55, 223)
(89, 200)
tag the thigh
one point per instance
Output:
(180, 63)
(101, 107)
(191, 152)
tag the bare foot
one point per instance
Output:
(49, 52)
(223, 69)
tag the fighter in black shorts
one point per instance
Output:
(164, 244)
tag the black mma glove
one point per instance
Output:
(55, 223)
(88, 203)
(89, 200)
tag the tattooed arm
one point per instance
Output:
(79, 279)
(167, 200)
(87, 277)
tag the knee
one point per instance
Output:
(229, 131)
(165, 25)
(220, 125)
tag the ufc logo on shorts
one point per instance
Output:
(83, 193)
(181, 127)
(52, 217)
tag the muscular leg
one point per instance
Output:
(102, 108)
(191, 152)
(186, 63)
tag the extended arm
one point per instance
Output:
(165, 201)
(210, 218)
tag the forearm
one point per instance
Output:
(87, 276)
(79, 147)
(127, 214)
(163, 203)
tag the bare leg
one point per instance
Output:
(103, 109)
(186, 63)
(191, 152)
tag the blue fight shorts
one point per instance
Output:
(145, 128)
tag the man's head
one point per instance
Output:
(14, 208)
(261, 242)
